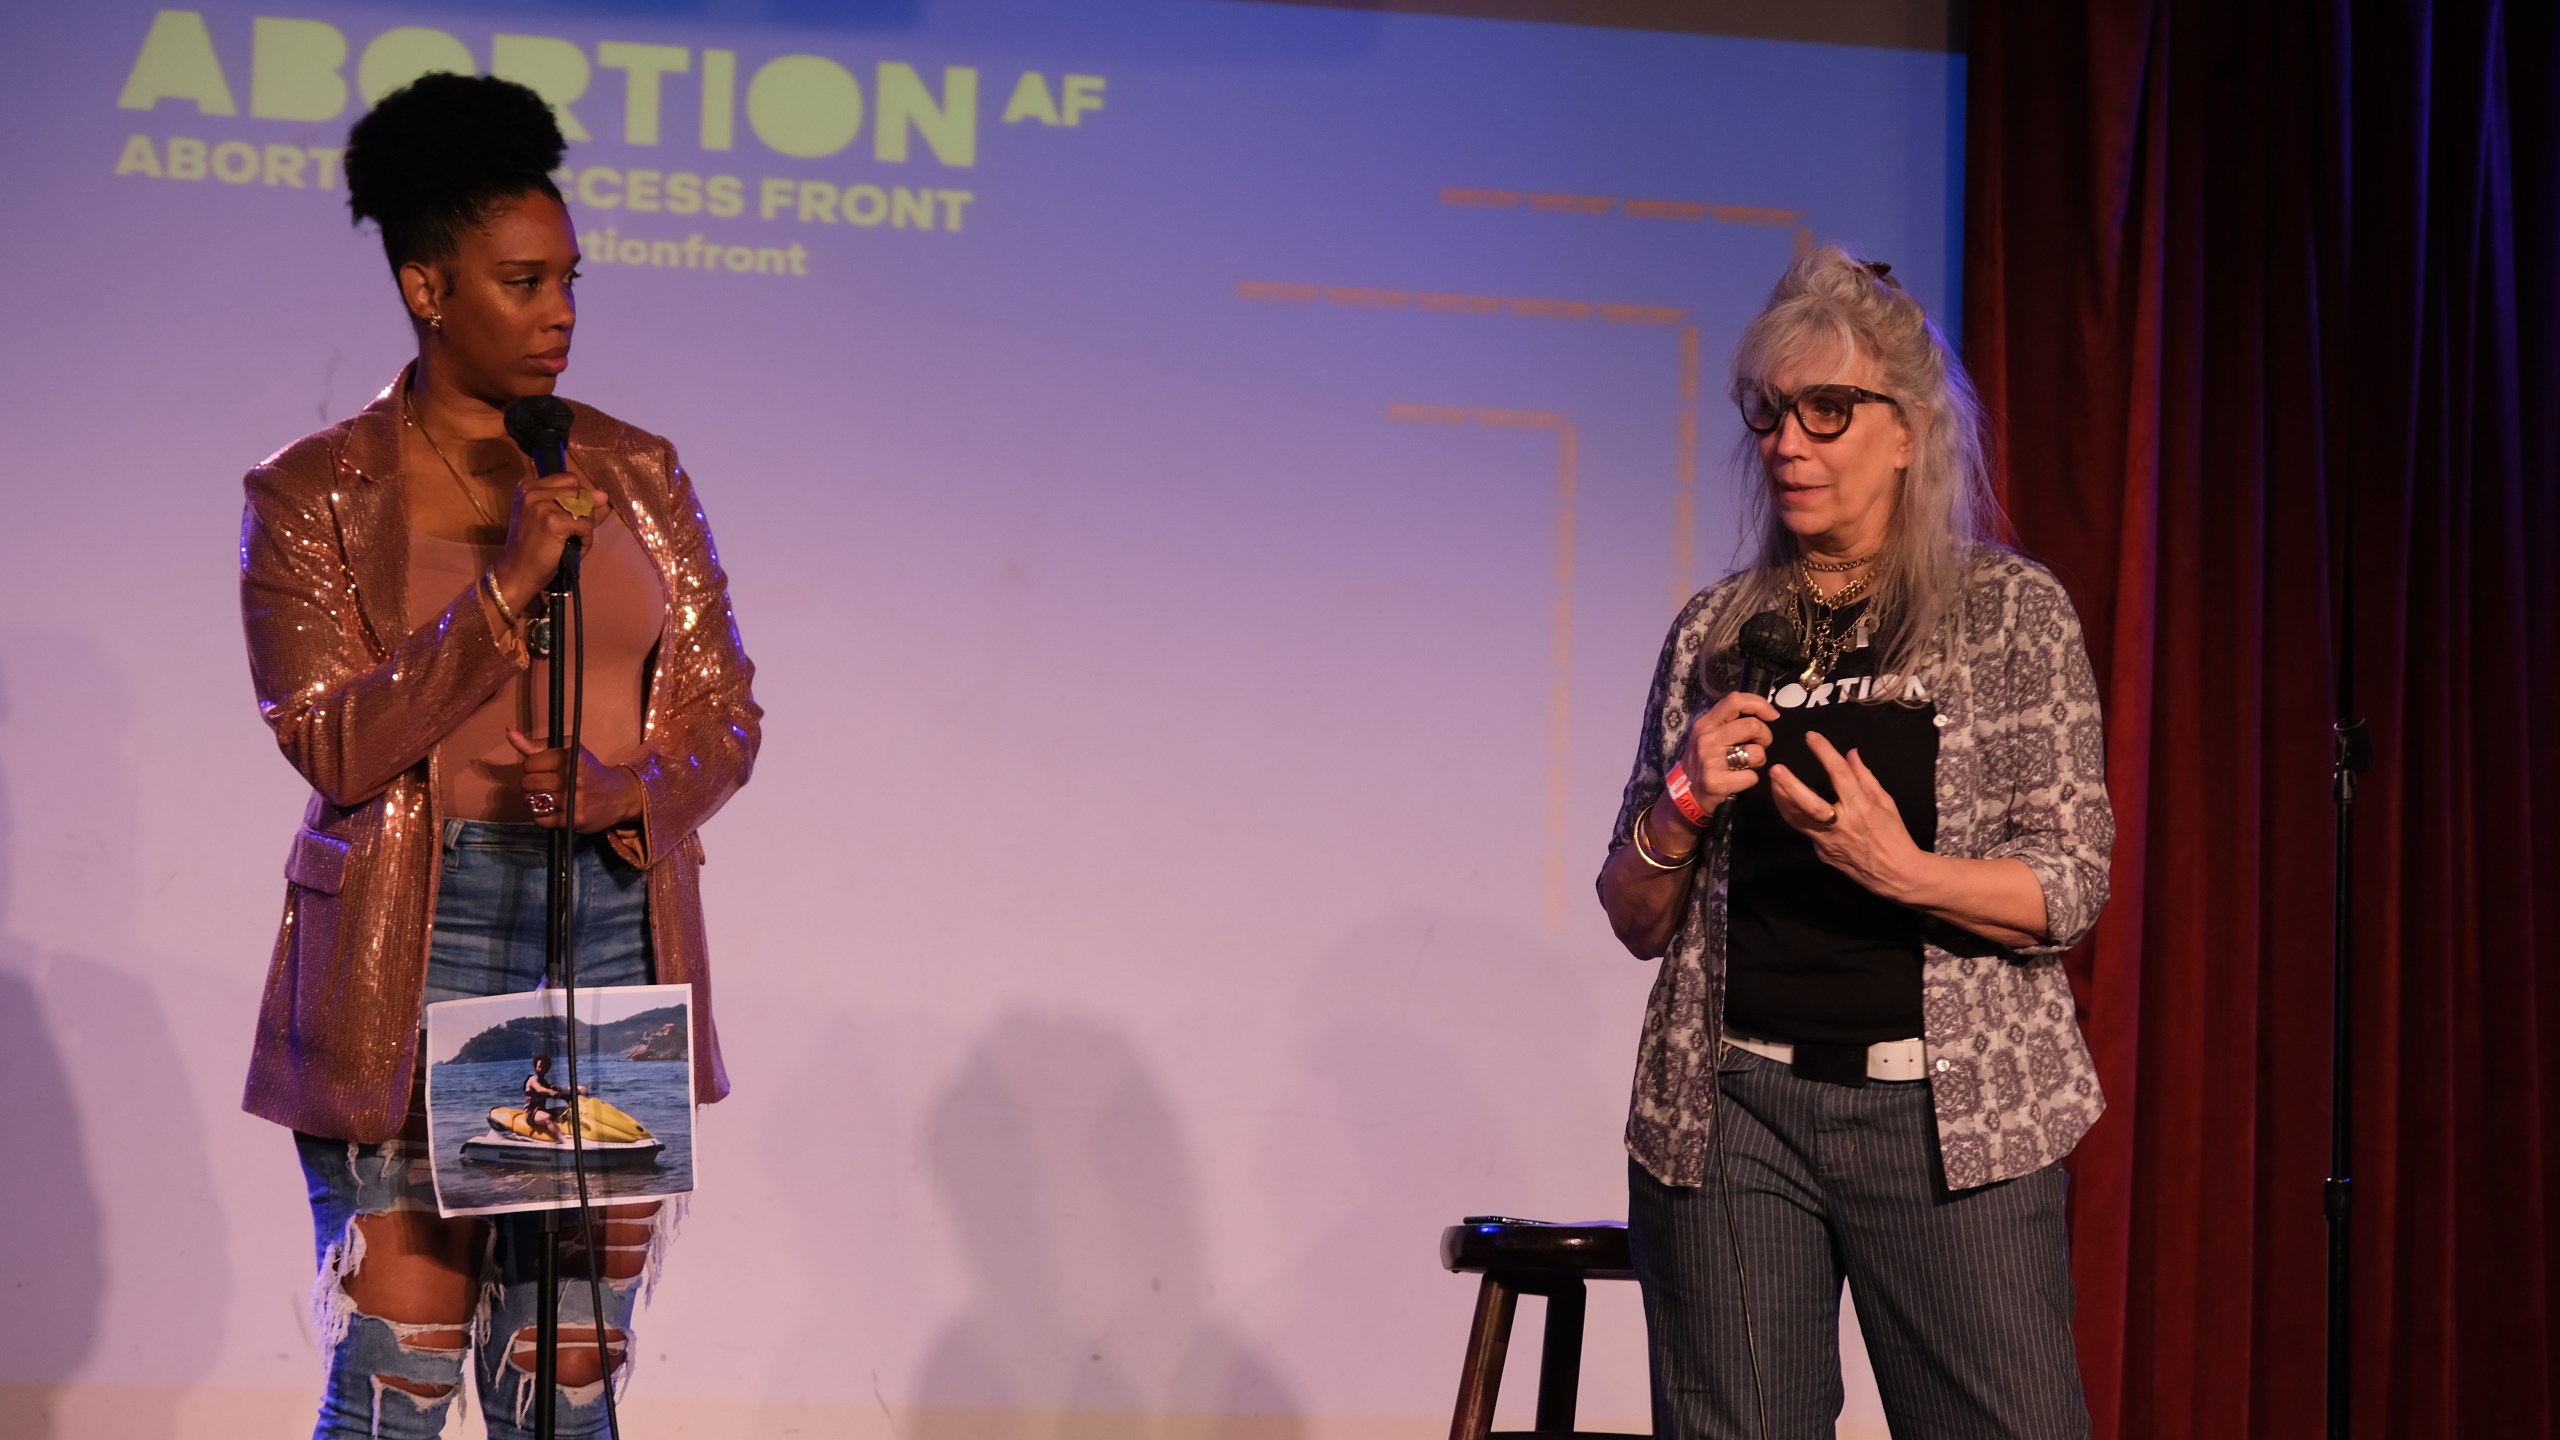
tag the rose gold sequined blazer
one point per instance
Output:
(358, 700)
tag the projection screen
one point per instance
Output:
(1204, 483)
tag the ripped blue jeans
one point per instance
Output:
(394, 1379)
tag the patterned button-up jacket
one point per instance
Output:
(2021, 775)
(357, 700)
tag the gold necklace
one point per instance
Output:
(1817, 621)
(409, 417)
(1842, 567)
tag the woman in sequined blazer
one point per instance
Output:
(391, 574)
(355, 697)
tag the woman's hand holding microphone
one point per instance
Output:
(1645, 885)
(549, 512)
(1720, 757)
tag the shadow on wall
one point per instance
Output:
(1442, 1056)
(1073, 1197)
(52, 1263)
(104, 1127)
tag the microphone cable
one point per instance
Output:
(1769, 652)
(1724, 1184)
(577, 598)
(1741, 1284)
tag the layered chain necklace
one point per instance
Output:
(538, 627)
(1817, 616)
(409, 417)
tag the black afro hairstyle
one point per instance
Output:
(445, 153)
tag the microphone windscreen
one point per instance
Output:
(538, 423)
(1769, 643)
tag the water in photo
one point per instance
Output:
(506, 1125)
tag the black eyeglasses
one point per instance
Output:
(1823, 410)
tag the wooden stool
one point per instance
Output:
(1529, 1257)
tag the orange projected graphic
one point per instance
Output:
(1603, 204)
(1560, 629)
(1688, 210)
(1684, 505)
(1684, 508)
(1684, 502)
(1449, 303)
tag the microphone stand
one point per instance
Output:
(539, 424)
(2337, 1199)
(560, 968)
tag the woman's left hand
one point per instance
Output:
(607, 795)
(1863, 836)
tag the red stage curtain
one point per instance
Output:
(2262, 297)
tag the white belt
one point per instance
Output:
(1886, 1060)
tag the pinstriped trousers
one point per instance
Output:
(1964, 1297)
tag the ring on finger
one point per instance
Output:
(579, 505)
(1737, 757)
(541, 802)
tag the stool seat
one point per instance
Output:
(1530, 1257)
(1589, 1249)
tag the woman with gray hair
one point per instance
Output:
(1859, 1060)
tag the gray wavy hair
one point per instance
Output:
(1829, 308)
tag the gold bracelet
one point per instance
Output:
(1684, 858)
(498, 597)
(1646, 853)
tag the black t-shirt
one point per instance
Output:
(1811, 955)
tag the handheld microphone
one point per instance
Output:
(1769, 654)
(1770, 659)
(539, 424)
